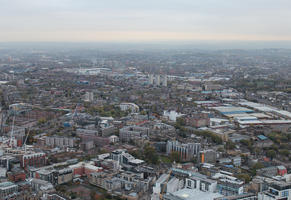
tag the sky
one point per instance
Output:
(144, 20)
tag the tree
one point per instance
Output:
(229, 145)
(175, 156)
(271, 154)
(137, 154)
(255, 168)
(41, 121)
(258, 165)
(93, 194)
(284, 152)
(180, 122)
(150, 155)
(244, 177)
(220, 149)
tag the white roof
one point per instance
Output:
(92, 167)
(207, 165)
(266, 108)
(231, 109)
(249, 122)
(206, 102)
(136, 161)
(218, 120)
(237, 115)
(246, 118)
(86, 165)
(260, 115)
(284, 112)
(276, 121)
(190, 194)
(163, 178)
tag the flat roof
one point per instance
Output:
(163, 178)
(249, 122)
(262, 137)
(246, 118)
(218, 120)
(260, 115)
(206, 102)
(237, 115)
(276, 121)
(191, 194)
(136, 161)
(266, 108)
(284, 112)
(232, 109)
(7, 184)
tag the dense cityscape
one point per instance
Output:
(144, 123)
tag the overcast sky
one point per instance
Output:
(144, 20)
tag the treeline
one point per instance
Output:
(106, 111)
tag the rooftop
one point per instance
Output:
(6, 184)
(190, 194)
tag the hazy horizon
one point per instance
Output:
(145, 21)
(198, 45)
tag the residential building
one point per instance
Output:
(132, 133)
(61, 142)
(8, 190)
(197, 120)
(277, 190)
(207, 156)
(84, 169)
(200, 182)
(158, 80)
(33, 159)
(89, 96)
(125, 158)
(229, 187)
(129, 107)
(63, 176)
(105, 180)
(248, 196)
(160, 186)
(16, 175)
(186, 151)
(42, 186)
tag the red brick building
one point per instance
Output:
(197, 120)
(16, 176)
(85, 169)
(33, 159)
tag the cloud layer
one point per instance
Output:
(133, 20)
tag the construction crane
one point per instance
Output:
(3, 121)
(165, 184)
(4, 111)
(12, 131)
(26, 139)
(75, 114)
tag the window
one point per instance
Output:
(272, 191)
(202, 186)
(285, 193)
(206, 187)
(189, 183)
